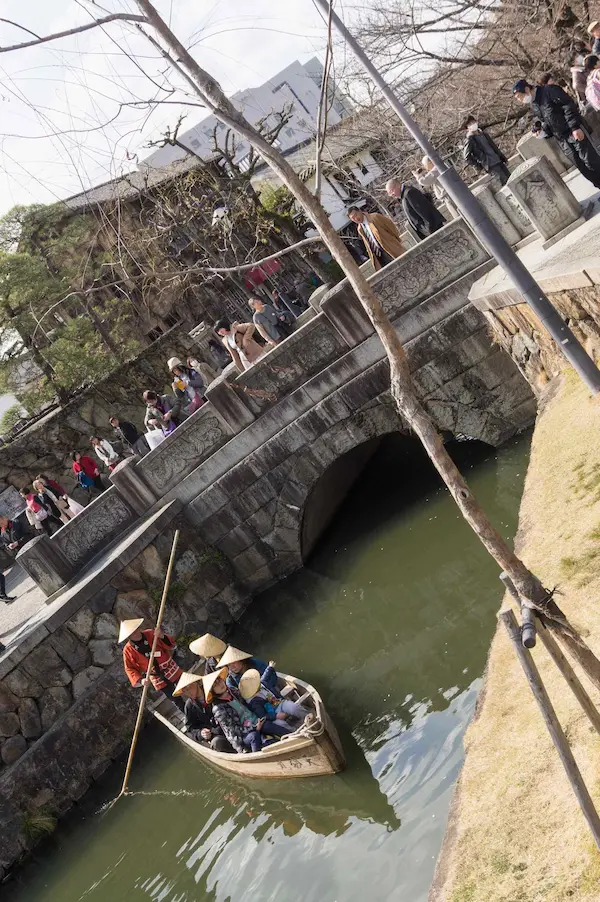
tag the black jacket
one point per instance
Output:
(557, 111)
(482, 152)
(127, 432)
(14, 532)
(420, 212)
(197, 715)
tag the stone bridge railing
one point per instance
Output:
(327, 347)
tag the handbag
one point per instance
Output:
(84, 480)
(41, 514)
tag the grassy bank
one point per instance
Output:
(516, 833)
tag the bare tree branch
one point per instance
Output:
(114, 17)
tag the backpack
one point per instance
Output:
(592, 89)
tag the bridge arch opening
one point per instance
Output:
(393, 468)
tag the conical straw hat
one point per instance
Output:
(208, 681)
(128, 627)
(232, 655)
(184, 680)
(208, 646)
(249, 684)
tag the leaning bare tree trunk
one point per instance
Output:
(409, 406)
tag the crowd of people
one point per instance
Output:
(234, 706)
(557, 114)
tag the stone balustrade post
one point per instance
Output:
(132, 487)
(529, 147)
(45, 563)
(541, 192)
(513, 210)
(499, 217)
(229, 402)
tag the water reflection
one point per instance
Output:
(391, 620)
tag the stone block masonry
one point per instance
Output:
(66, 707)
(46, 446)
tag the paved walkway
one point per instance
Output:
(17, 616)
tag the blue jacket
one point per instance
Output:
(233, 679)
(261, 706)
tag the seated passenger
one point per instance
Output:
(241, 726)
(237, 662)
(265, 703)
(199, 720)
(209, 647)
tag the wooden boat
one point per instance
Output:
(313, 750)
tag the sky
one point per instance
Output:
(57, 100)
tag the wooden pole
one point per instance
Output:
(575, 684)
(554, 728)
(563, 664)
(140, 714)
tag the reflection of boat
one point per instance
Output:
(313, 750)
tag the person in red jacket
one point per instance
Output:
(91, 474)
(165, 673)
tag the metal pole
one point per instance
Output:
(481, 224)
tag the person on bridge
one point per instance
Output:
(13, 536)
(105, 452)
(41, 511)
(482, 152)
(562, 120)
(379, 234)
(238, 339)
(266, 319)
(423, 216)
(136, 653)
(209, 647)
(199, 719)
(129, 436)
(162, 412)
(187, 385)
(241, 726)
(237, 663)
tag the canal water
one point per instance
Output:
(391, 619)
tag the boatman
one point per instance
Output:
(165, 671)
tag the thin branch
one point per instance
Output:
(114, 17)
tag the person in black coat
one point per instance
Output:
(562, 120)
(199, 721)
(483, 153)
(420, 212)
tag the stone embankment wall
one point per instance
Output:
(46, 446)
(518, 331)
(66, 708)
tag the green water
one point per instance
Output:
(391, 620)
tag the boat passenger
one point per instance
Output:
(237, 663)
(241, 726)
(165, 672)
(210, 648)
(199, 720)
(265, 703)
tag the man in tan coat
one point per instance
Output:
(380, 236)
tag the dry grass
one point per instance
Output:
(520, 836)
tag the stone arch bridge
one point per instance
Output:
(243, 468)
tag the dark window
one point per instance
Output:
(155, 334)
(362, 168)
(171, 320)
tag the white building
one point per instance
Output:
(298, 86)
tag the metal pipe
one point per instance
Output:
(480, 223)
